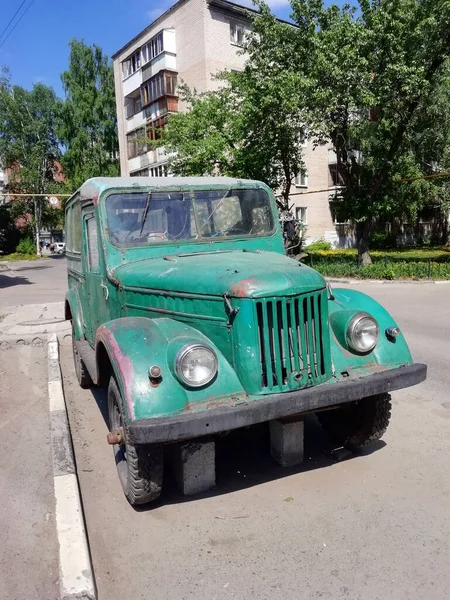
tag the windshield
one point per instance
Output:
(159, 217)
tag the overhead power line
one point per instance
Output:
(17, 22)
(12, 19)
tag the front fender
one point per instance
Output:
(134, 344)
(387, 354)
(73, 303)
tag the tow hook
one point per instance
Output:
(116, 437)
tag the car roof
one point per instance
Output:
(91, 189)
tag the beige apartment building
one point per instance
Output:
(191, 42)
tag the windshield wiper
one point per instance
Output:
(144, 216)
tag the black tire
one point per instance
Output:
(140, 468)
(84, 379)
(358, 424)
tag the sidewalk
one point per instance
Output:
(29, 549)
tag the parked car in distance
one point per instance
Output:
(60, 247)
(184, 305)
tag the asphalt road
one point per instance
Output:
(33, 282)
(376, 526)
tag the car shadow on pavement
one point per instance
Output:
(243, 458)
(9, 281)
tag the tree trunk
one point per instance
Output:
(37, 226)
(362, 240)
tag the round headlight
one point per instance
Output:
(362, 333)
(196, 365)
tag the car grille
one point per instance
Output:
(294, 341)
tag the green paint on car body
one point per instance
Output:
(267, 317)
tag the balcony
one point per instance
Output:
(162, 62)
(132, 83)
(135, 121)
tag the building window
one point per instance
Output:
(154, 47)
(337, 213)
(132, 64)
(303, 140)
(301, 180)
(132, 106)
(238, 32)
(335, 176)
(159, 171)
(301, 214)
(136, 143)
(162, 84)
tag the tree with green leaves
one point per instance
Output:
(251, 127)
(29, 147)
(367, 78)
(88, 121)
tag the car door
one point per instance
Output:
(96, 288)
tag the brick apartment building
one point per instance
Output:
(190, 42)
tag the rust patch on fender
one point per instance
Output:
(243, 288)
(123, 362)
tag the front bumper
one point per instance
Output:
(192, 425)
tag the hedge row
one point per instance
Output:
(413, 255)
(379, 270)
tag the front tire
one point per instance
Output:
(358, 424)
(140, 468)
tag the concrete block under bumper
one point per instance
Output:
(286, 442)
(191, 425)
(194, 466)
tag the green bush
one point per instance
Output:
(389, 271)
(318, 246)
(383, 240)
(26, 246)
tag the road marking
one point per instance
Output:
(76, 579)
(56, 396)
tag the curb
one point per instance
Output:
(76, 579)
(388, 281)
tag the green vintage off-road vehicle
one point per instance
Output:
(184, 304)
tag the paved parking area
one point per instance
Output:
(374, 527)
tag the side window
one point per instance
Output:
(75, 230)
(92, 243)
(68, 228)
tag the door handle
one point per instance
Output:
(105, 291)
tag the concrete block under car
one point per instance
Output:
(194, 466)
(286, 441)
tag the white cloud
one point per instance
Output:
(156, 12)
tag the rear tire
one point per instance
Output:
(84, 379)
(140, 468)
(358, 424)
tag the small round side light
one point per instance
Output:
(392, 332)
(154, 372)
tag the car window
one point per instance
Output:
(92, 243)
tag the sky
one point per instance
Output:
(35, 47)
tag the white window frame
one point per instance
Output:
(298, 212)
(235, 28)
(301, 181)
(153, 48)
(132, 64)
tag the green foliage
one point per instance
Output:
(26, 246)
(383, 239)
(405, 263)
(88, 123)
(9, 234)
(378, 270)
(319, 245)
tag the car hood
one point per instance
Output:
(237, 273)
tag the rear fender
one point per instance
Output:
(72, 310)
(134, 344)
